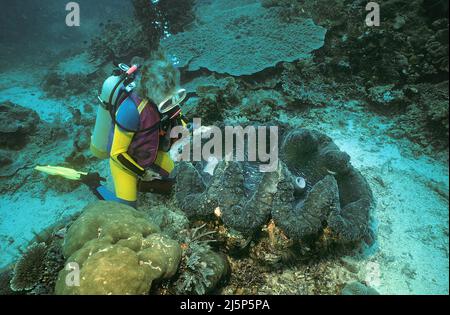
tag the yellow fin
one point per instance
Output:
(60, 171)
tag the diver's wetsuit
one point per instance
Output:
(132, 153)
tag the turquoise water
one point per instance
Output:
(244, 63)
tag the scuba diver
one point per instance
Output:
(139, 104)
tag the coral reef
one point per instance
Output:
(291, 9)
(389, 53)
(214, 101)
(246, 277)
(317, 276)
(232, 37)
(386, 96)
(201, 268)
(81, 143)
(64, 85)
(17, 124)
(425, 118)
(53, 262)
(118, 251)
(81, 124)
(417, 111)
(28, 269)
(151, 22)
(6, 275)
(114, 44)
(163, 17)
(36, 271)
(258, 106)
(5, 158)
(304, 86)
(273, 250)
(384, 67)
(169, 219)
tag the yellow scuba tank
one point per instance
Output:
(100, 135)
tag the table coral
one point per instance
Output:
(235, 39)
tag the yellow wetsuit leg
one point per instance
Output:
(124, 169)
(125, 184)
(164, 163)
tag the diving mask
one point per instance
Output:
(172, 101)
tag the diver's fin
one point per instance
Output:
(61, 171)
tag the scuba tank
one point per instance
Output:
(114, 90)
(112, 87)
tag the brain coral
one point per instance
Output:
(118, 252)
(232, 37)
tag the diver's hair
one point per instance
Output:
(159, 78)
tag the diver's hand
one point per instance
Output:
(92, 180)
(150, 175)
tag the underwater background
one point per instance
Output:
(363, 116)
